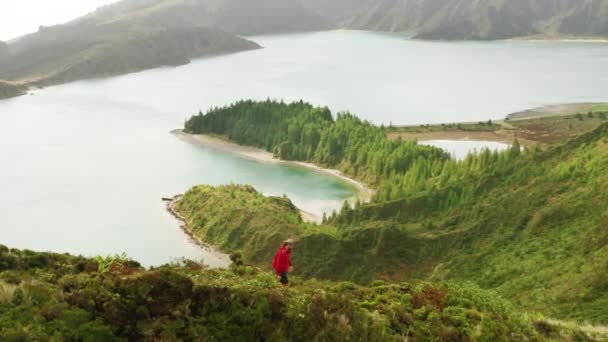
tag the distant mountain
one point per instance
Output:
(338, 11)
(134, 35)
(74, 60)
(244, 17)
(486, 20)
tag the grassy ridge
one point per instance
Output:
(532, 225)
(539, 234)
(56, 297)
(237, 218)
(113, 53)
(234, 217)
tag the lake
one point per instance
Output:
(84, 165)
(459, 149)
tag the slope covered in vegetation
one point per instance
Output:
(237, 217)
(133, 35)
(532, 225)
(53, 297)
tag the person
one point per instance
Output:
(282, 262)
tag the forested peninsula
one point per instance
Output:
(528, 224)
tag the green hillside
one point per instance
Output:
(134, 35)
(57, 297)
(531, 225)
(235, 217)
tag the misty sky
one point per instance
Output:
(19, 17)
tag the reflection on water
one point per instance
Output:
(460, 148)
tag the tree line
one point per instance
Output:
(300, 131)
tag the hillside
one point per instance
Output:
(113, 54)
(530, 225)
(235, 217)
(544, 126)
(46, 296)
(243, 17)
(134, 35)
(566, 109)
(486, 20)
(8, 89)
(117, 55)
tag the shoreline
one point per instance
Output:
(562, 39)
(220, 256)
(363, 193)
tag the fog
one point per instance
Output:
(25, 16)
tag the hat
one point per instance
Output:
(289, 242)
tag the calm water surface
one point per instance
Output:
(83, 166)
(459, 149)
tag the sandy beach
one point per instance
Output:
(363, 192)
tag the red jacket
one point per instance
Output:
(282, 260)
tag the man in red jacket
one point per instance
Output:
(282, 262)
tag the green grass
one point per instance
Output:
(65, 298)
(530, 226)
(600, 107)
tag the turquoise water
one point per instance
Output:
(85, 173)
(83, 166)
